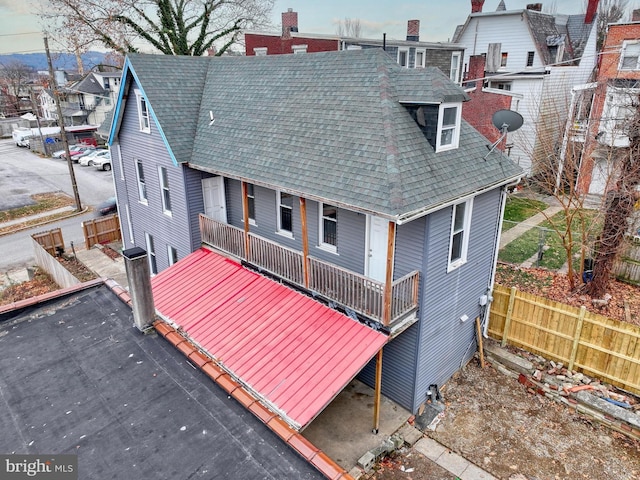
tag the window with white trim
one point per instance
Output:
(164, 190)
(285, 213)
(260, 51)
(328, 229)
(530, 57)
(299, 48)
(421, 55)
(172, 254)
(251, 203)
(454, 73)
(403, 57)
(151, 254)
(142, 185)
(143, 112)
(630, 56)
(459, 239)
(449, 117)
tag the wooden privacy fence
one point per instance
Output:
(51, 241)
(594, 344)
(101, 230)
(627, 266)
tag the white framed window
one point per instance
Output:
(251, 203)
(164, 190)
(403, 57)
(260, 51)
(459, 239)
(449, 117)
(285, 213)
(172, 254)
(530, 57)
(630, 56)
(500, 85)
(421, 56)
(328, 228)
(151, 254)
(454, 73)
(299, 48)
(142, 185)
(143, 112)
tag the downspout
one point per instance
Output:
(492, 280)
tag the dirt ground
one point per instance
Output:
(492, 421)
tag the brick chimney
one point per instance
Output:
(476, 70)
(476, 6)
(289, 23)
(635, 15)
(413, 31)
(592, 9)
(536, 7)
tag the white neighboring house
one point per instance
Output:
(86, 102)
(539, 56)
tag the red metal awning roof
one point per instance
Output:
(293, 352)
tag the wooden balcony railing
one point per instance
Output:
(349, 289)
(281, 261)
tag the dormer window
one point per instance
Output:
(448, 135)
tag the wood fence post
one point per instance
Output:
(507, 322)
(576, 337)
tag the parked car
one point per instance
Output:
(72, 148)
(77, 149)
(75, 158)
(103, 163)
(108, 207)
(90, 159)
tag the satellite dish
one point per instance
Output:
(506, 121)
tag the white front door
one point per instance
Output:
(376, 251)
(214, 202)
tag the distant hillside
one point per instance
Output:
(62, 61)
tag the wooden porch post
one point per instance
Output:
(245, 214)
(376, 395)
(386, 320)
(305, 241)
(388, 282)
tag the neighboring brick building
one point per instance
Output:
(602, 110)
(410, 53)
(485, 101)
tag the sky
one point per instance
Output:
(20, 29)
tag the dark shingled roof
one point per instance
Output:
(89, 84)
(329, 126)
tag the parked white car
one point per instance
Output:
(90, 159)
(103, 163)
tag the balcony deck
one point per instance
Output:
(350, 290)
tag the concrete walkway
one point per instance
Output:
(514, 232)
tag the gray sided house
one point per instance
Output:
(342, 174)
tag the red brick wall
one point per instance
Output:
(608, 69)
(279, 45)
(480, 109)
